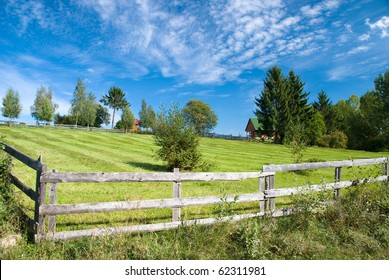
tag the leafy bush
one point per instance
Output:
(336, 139)
(177, 139)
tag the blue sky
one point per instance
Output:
(215, 51)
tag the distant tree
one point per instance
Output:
(11, 105)
(200, 115)
(297, 107)
(88, 112)
(324, 106)
(371, 131)
(102, 115)
(78, 101)
(43, 108)
(146, 116)
(115, 99)
(127, 121)
(65, 119)
(315, 128)
(177, 140)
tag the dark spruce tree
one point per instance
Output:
(271, 104)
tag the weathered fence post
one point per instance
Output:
(176, 194)
(262, 201)
(40, 190)
(52, 220)
(272, 201)
(385, 169)
(338, 175)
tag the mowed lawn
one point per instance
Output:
(82, 151)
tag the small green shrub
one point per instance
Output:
(336, 139)
(177, 140)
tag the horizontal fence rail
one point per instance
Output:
(322, 187)
(100, 177)
(145, 204)
(46, 207)
(316, 165)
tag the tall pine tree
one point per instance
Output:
(271, 104)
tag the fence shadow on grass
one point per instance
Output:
(148, 166)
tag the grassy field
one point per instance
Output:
(82, 151)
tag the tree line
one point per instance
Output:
(86, 111)
(286, 116)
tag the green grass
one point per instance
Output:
(81, 151)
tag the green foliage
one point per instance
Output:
(102, 115)
(336, 139)
(78, 101)
(116, 100)
(11, 105)
(200, 115)
(324, 106)
(225, 208)
(296, 139)
(282, 103)
(315, 129)
(127, 121)
(43, 108)
(8, 203)
(270, 104)
(177, 140)
(146, 116)
(88, 112)
(65, 119)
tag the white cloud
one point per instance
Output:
(320, 8)
(359, 49)
(382, 25)
(339, 73)
(364, 37)
(204, 43)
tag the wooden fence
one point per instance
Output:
(44, 222)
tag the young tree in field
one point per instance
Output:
(115, 99)
(200, 115)
(88, 112)
(146, 116)
(11, 105)
(128, 120)
(102, 115)
(177, 140)
(43, 108)
(78, 101)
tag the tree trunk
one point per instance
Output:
(113, 117)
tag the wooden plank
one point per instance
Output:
(272, 201)
(34, 164)
(142, 204)
(176, 211)
(338, 176)
(28, 191)
(315, 165)
(93, 177)
(262, 202)
(317, 188)
(66, 235)
(41, 200)
(52, 220)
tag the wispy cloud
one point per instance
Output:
(364, 37)
(359, 49)
(381, 25)
(208, 42)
